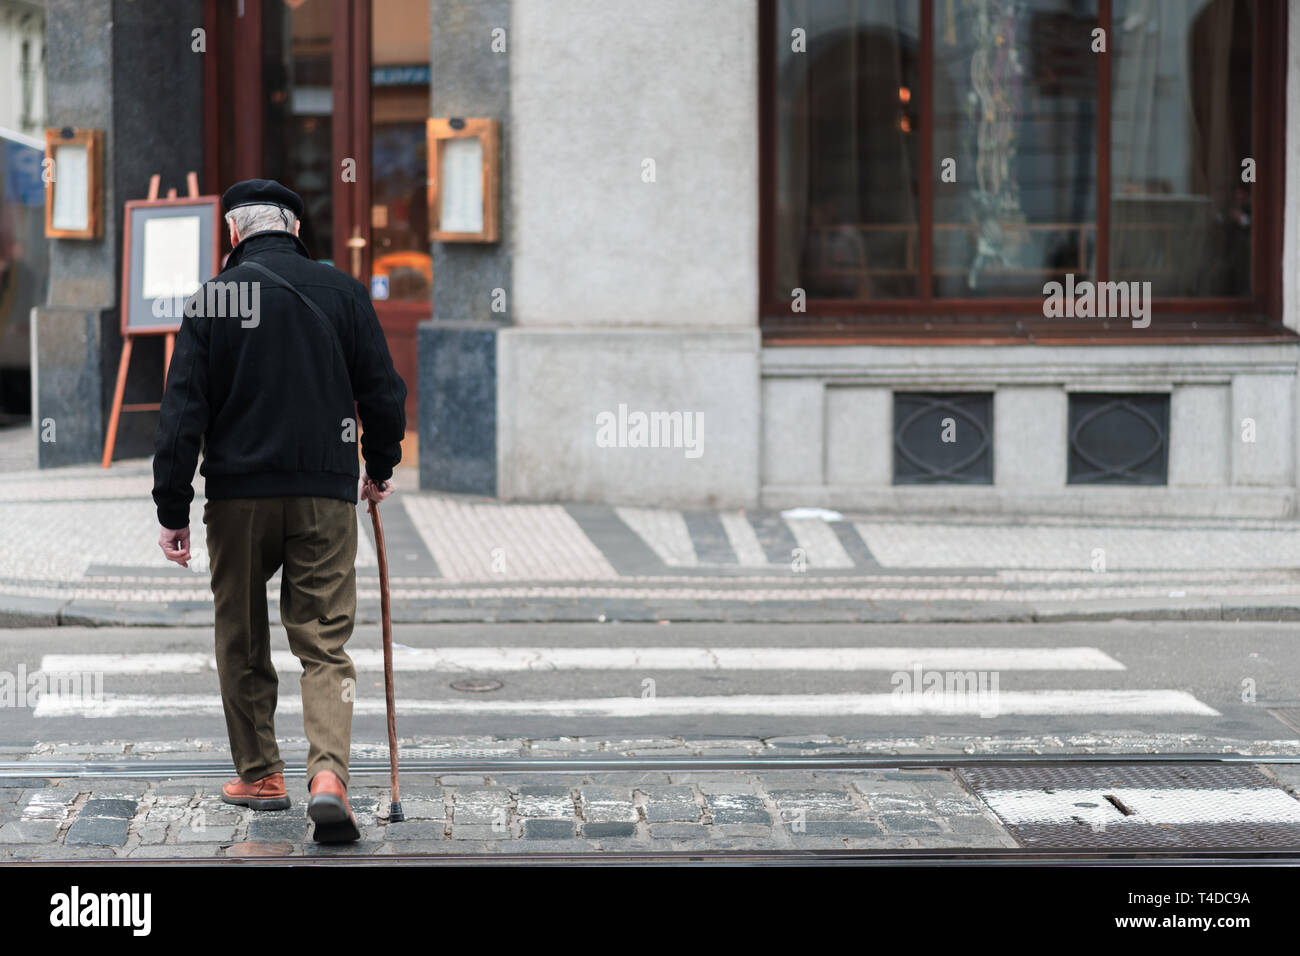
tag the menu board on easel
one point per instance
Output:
(171, 247)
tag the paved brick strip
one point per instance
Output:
(53, 818)
(456, 813)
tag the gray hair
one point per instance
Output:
(262, 217)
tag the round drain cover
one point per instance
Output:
(476, 685)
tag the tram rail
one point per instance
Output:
(150, 769)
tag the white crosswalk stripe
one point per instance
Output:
(460, 659)
(668, 534)
(665, 532)
(473, 541)
(948, 680)
(1026, 703)
(749, 553)
(819, 542)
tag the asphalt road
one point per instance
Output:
(1173, 678)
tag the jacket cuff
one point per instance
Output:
(174, 519)
(379, 472)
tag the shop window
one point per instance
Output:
(934, 164)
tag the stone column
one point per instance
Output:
(457, 348)
(128, 69)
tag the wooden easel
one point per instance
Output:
(128, 339)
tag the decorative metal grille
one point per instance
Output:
(943, 438)
(1119, 439)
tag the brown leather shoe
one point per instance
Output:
(265, 794)
(328, 808)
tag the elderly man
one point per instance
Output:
(272, 397)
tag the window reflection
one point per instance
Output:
(1015, 108)
(399, 83)
(1180, 128)
(297, 123)
(848, 149)
(1013, 130)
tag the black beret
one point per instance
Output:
(253, 192)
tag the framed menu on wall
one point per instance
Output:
(464, 168)
(73, 174)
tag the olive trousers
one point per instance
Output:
(314, 540)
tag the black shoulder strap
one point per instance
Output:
(316, 309)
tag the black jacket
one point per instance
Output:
(273, 399)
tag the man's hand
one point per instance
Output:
(175, 544)
(373, 492)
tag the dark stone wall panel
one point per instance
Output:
(458, 407)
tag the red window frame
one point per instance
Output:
(927, 320)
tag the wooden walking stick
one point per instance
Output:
(395, 814)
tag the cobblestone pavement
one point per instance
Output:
(80, 547)
(179, 816)
(461, 813)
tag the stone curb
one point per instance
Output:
(16, 612)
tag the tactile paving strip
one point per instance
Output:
(1139, 805)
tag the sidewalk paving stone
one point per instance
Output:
(152, 833)
(672, 812)
(909, 823)
(549, 829)
(679, 831)
(29, 831)
(50, 804)
(729, 808)
(418, 808)
(414, 830)
(205, 835)
(99, 831)
(732, 831)
(281, 830)
(853, 828)
(482, 805)
(606, 829)
(479, 831)
(106, 807)
(545, 803)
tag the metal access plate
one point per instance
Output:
(1139, 805)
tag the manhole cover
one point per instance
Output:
(476, 685)
(1128, 805)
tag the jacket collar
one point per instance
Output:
(260, 242)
